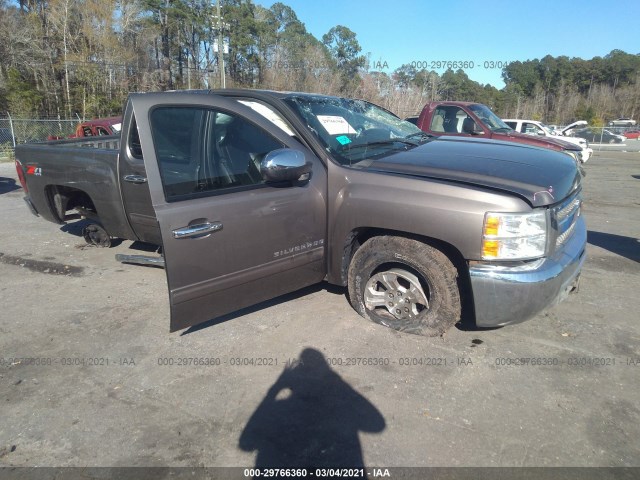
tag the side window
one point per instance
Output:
(202, 151)
(102, 131)
(135, 148)
(531, 128)
(448, 119)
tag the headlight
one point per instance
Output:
(514, 236)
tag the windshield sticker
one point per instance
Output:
(335, 125)
(343, 139)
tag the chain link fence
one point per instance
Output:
(14, 131)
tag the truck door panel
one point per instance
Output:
(230, 239)
(134, 187)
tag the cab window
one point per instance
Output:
(531, 129)
(202, 151)
(448, 119)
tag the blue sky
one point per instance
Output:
(405, 31)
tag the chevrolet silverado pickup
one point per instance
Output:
(467, 119)
(253, 194)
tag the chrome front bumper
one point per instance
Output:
(506, 294)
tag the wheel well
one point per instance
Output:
(358, 236)
(62, 199)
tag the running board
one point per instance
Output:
(141, 260)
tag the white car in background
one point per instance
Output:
(533, 127)
(622, 122)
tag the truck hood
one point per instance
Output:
(545, 142)
(540, 176)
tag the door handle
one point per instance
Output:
(198, 230)
(135, 179)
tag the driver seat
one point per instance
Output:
(468, 126)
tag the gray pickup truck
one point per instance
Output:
(253, 194)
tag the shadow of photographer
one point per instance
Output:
(310, 418)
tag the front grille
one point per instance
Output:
(566, 215)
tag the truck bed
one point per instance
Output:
(55, 187)
(111, 142)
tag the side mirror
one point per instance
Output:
(541, 133)
(284, 165)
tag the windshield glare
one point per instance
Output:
(354, 130)
(489, 118)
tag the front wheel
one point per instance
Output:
(406, 285)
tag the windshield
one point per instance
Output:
(489, 118)
(355, 130)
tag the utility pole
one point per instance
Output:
(223, 83)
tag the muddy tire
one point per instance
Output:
(406, 285)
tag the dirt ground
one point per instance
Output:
(90, 375)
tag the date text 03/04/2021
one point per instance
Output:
(318, 472)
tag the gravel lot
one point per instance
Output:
(90, 376)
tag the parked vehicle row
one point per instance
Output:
(467, 119)
(598, 135)
(577, 132)
(253, 194)
(533, 127)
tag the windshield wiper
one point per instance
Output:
(505, 129)
(422, 134)
(390, 141)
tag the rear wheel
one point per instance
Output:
(406, 285)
